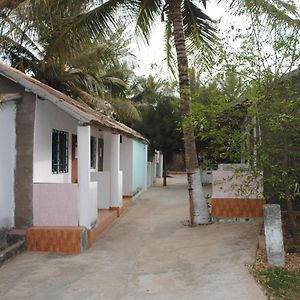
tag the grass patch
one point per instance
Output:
(280, 283)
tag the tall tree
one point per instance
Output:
(267, 62)
(178, 15)
(186, 25)
(93, 72)
(161, 118)
(219, 114)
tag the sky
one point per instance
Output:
(155, 54)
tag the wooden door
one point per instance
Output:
(100, 154)
(74, 159)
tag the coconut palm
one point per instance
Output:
(94, 73)
(186, 25)
(188, 28)
(77, 23)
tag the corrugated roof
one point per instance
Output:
(80, 111)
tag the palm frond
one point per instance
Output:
(273, 11)
(200, 30)
(94, 102)
(19, 56)
(9, 5)
(124, 109)
(12, 30)
(169, 47)
(146, 14)
(81, 29)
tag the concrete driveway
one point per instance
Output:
(147, 254)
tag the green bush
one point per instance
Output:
(281, 283)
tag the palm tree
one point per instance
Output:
(177, 14)
(189, 28)
(77, 23)
(94, 73)
(186, 25)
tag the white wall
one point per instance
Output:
(236, 185)
(107, 136)
(49, 117)
(97, 134)
(7, 163)
(103, 181)
(139, 166)
(126, 164)
(111, 164)
(93, 204)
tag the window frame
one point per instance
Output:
(93, 158)
(60, 152)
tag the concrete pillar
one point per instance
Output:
(126, 164)
(273, 233)
(25, 118)
(115, 173)
(146, 167)
(84, 153)
(161, 164)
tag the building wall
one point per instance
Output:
(236, 195)
(228, 184)
(49, 117)
(106, 152)
(126, 164)
(139, 166)
(18, 164)
(7, 163)
(97, 134)
(55, 204)
(103, 181)
(25, 121)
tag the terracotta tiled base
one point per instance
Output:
(73, 239)
(106, 218)
(56, 239)
(237, 208)
(126, 203)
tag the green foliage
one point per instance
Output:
(273, 12)
(36, 37)
(161, 120)
(218, 118)
(278, 111)
(260, 63)
(281, 283)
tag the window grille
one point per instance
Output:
(59, 151)
(93, 152)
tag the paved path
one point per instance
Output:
(147, 254)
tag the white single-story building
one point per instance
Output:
(60, 162)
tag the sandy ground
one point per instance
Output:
(147, 254)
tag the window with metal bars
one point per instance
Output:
(59, 151)
(93, 152)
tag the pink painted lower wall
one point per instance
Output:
(236, 185)
(55, 204)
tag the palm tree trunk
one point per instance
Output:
(199, 213)
(164, 172)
